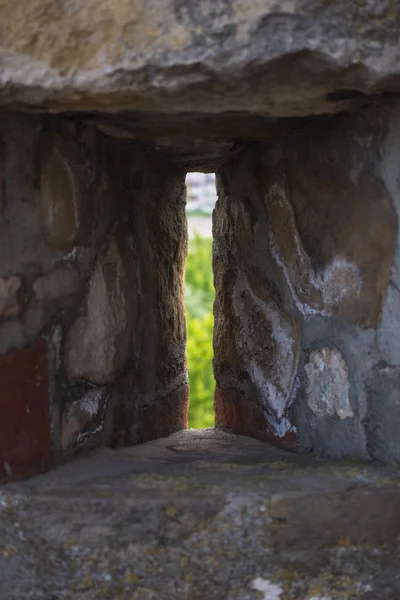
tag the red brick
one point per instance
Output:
(25, 441)
(243, 417)
(170, 414)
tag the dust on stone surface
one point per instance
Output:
(174, 529)
(128, 56)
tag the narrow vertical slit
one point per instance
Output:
(199, 298)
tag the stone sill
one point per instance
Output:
(201, 512)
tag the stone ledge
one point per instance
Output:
(201, 515)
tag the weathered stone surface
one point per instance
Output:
(321, 211)
(202, 515)
(305, 266)
(23, 250)
(63, 281)
(11, 296)
(12, 335)
(100, 341)
(59, 201)
(1, 177)
(24, 413)
(334, 424)
(84, 420)
(166, 416)
(267, 343)
(328, 384)
(235, 412)
(20, 140)
(256, 343)
(389, 342)
(383, 416)
(270, 58)
(130, 332)
(306, 253)
(93, 220)
(156, 231)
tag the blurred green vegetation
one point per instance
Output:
(199, 298)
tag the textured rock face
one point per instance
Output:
(295, 105)
(59, 200)
(25, 444)
(99, 342)
(268, 343)
(328, 384)
(336, 274)
(10, 296)
(178, 58)
(202, 515)
(88, 418)
(92, 328)
(63, 281)
(305, 257)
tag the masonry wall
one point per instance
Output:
(93, 244)
(307, 268)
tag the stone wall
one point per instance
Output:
(306, 265)
(93, 244)
(260, 58)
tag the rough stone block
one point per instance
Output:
(2, 199)
(382, 422)
(305, 239)
(11, 296)
(12, 335)
(285, 58)
(25, 445)
(166, 416)
(87, 422)
(100, 341)
(332, 234)
(388, 339)
(63, 281)
(59, 201)
(202, 515)
(244, 417)
(328, 384)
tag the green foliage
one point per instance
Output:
(198, 213)
(199, 324)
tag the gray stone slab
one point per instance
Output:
(276, 58)
(202, 515)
